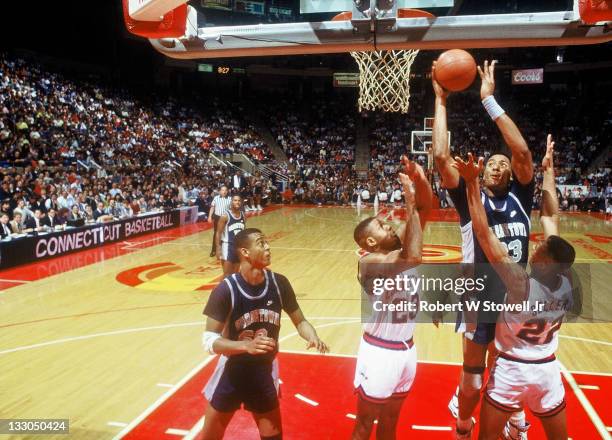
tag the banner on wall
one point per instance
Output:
(48, 245)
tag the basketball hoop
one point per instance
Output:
(384, 75)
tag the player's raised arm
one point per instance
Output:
(512, 274)
(549, 214)
(441, 148)
(423, 198)
(412, 241)
(522, 162)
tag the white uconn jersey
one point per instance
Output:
(533, 334)
(393, 325)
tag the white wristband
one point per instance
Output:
(492, 107)
(208, 339)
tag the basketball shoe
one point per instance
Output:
(515, 432)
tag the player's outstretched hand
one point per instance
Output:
(547, 161)
(469, 170)
(411, 168)
(438, 89)
(260, 345)
(318, 344)
(408, 192)
(487, 75)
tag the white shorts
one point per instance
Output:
(514, 384)
(384, 373)
(224, 250)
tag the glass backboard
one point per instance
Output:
(322, 6)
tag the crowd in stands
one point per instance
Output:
(68, 143)
(318, 138)
(76, 152)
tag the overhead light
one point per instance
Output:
(560, 55)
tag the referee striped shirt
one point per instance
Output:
(221, 204)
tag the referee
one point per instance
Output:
(220, 204)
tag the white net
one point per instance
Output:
(384, 79)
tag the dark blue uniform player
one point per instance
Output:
(229, 226)
(507, 195)
(244, 315)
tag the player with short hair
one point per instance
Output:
(507, 196)
(243, 324)
(525, 371)
(229, 226)
(386, 362)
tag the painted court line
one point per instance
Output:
(431, 428)
(15, 281)
(593, 341)
(97, 335)
(179, 432)
(306, 399)
(589, 387)
(586, 405)
(592, 373)
(193, 433)
(185, 379)
(164, 397)
(165, 385)
(143, 329)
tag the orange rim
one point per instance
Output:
(401, 13)
(414, 13)
(343, 16)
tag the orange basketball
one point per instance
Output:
(455, 70)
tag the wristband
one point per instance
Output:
(208, 339)
(492, 107)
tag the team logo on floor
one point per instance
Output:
(170, 277)
(434, 253)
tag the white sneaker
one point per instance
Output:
(248, 209)
(453, 405)
(259, 208)
(514, 432)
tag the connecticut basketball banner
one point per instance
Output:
(40, 246)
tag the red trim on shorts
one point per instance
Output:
(389, 345)
(545, 360)
(552, 412)
(401, 395)
(362, 394)
(500, 406)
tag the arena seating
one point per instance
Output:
(65, 141)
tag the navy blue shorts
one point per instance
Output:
(482, 335)
(236, 383)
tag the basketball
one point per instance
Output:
(455, 70)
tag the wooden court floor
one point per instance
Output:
(100, 337)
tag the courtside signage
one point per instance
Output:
(33, 248)
(527, 76)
